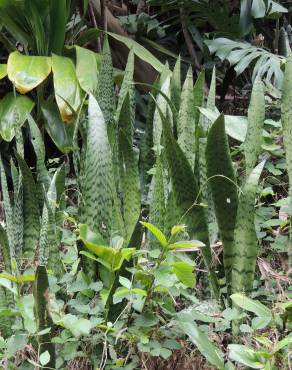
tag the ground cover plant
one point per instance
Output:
(141, 227)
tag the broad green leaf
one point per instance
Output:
(222, 183)
(245, 356)
(97, 182)
(251, 305)
(186, 125)
(27, 72)
(245, 239)
(212, 353)
(286, 118)
(185, 274)
(235, 126)
(13, 114)
(87, 69)
(77, 326)
(283, 343)
(211, 102)
(256, 118)
(18, 279)
(67, 89)
(62, 135)
(156, 232)
(139, 50)
(3, 71)
(175, 84)
(258, 9)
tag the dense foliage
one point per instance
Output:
(140, 227)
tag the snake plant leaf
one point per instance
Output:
(139, 51)
(97, 182)
(87, 69)
(256, 118)
(287, 133)
(199, 95)
(128, 88)
(128, 170)
(105, 90)
(186, 125)
(211, 101)
(39, 149)
(245, 355)
(222, 183)
(3, 71)
(157, 201)
(207, 193)
(13, 111)
(67, 88)
(163, 106)
(175, 84)
(62, 135)
(8, 210)
(186, 194)
(245, 239)
(31, 214)
(4, 250)
(27, 72)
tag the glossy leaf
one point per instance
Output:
(13, 114)
(67, 89)
(27, 72)
(87, 69)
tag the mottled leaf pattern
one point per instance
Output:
(246, 247)
(256, 117)
(287, 134)
(97, 180)
(31, 214)
(128, 171)
(186, 125)
(224, 191)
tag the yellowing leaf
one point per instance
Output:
(87, 66)
(27, 72)
(67, 89)
(3, 71)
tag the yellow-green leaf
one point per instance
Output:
(3, 71)
(87, 67)
(27, 72)
(67, 89)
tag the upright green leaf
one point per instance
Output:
(39, 149)
(67, 89)
(3, 71)
(223, 187)
(256, 117)
(97, 194)
(57, 25)
(186, 125)
(105, 90)
(30, 210)
(128, 170)
(186, 194)
(245, 239)
(211, 101)
(287, 134)
(175, 88)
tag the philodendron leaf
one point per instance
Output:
(27, 72)
(3, 71)
(245, 356)
(256, 118)
(67, 89)
(13, 114)
(62, 135)
(212, 353)
(87, 68)
(235, 126)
